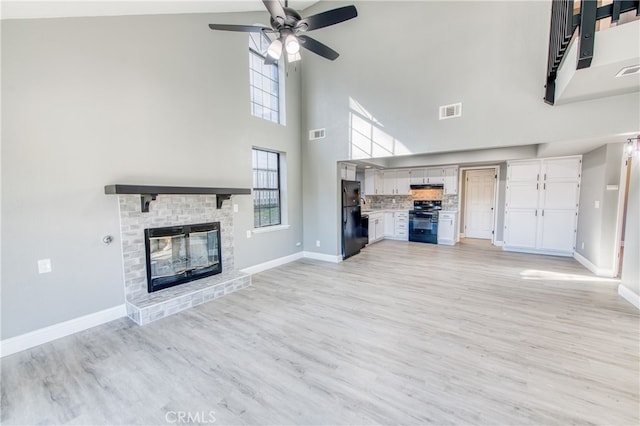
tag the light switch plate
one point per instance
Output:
(597, 204)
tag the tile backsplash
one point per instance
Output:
(405, 202)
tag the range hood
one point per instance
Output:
(428, 186)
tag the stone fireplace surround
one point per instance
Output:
(173, 210)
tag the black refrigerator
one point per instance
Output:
(351, 218)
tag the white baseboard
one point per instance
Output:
(498, 243)
(272, 263)
(321, 256)
(601, 272)
(629, 295)
(56, 331)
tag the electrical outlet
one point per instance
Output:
(582, 245)
(44, 266)
(235, 208)
(393, 200)
(248, 234)
(597, 204)
(317, 243)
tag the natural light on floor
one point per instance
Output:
(535, 274)
(368, 140)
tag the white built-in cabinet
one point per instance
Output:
(376, 227)
(447, 228)
(431, 175)
(373, 182)
(451, 180)
(541, 208)
(395, 182)
(396, 225)
(347, 171)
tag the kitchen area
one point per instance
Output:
(418, 205)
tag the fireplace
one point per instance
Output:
(180, 254)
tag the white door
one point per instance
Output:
(521, 228)
(558, 230)
(479, 201)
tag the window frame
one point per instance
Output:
(278, 94)
(257, 209)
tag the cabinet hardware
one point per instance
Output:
(536, 213)
(542, 212)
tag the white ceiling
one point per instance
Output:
(25, 9)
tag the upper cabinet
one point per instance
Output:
(396, 182)
(347, 171)
(431, 175)
(451, 180)
(373, 182)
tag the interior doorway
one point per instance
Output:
(480, 203)
(623, 198)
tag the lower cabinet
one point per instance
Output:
(446, 228)
(396, 225)
(376, 227)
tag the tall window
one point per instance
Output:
(266, 188)
(264, 80)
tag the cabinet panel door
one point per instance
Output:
(417, 176)
(562, 169)
(522, 195)
(558, 230)
(451, 180)
(389, 224)
(521, 228)
(560, 195)
(445, 227)
(402, 182)
(369, 182)
(436, 175)
(389, 182)
(525, 171)
(380, 227)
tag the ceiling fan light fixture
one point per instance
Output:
(292, 45)
(275, 49)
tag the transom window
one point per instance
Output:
(264, 80)
(266, 188)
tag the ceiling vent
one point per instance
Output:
(634, 69)
(316, 134)
(450, 111)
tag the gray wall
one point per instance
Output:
(144, 100)
(491, 56)
(597, 226)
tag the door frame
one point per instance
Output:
(623, 193)
(463, 198)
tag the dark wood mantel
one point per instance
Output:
(149, 193)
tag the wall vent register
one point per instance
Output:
(316, 134)
(450, 111)
(180, 254)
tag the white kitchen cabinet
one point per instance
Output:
(396, 182)
(446, 228)
(347, 171)
(396, 225)
(389, 224)
(541, 208)
(376, 227)
(435, 175)
(373, 182)
(417, 176)
(431, 175)
(451, 180)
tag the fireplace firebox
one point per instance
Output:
(180, 254)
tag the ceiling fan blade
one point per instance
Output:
(330, 17)
(268, 60)
(318, 48)
(275, 10)
(241, 28)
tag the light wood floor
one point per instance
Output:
(404, 333)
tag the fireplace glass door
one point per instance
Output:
(179, 254)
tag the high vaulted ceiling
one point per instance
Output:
(24, 9)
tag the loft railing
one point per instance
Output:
(564, 24)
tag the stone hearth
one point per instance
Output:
(173, 210)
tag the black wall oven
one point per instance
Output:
(423, 221)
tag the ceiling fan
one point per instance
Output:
(288, 25)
